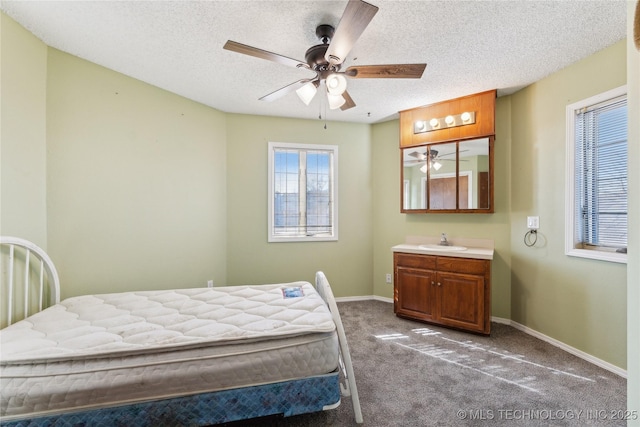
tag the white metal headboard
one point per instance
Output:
(29, 280)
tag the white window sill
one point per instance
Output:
(273, 239)
(598, 255)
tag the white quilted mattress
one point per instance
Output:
(105, 350)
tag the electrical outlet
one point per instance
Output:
(533, 222)
(209, 283)
(388, 277)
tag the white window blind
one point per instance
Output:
(601, 174)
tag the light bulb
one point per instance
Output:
(434, 123)
(336, 84)
(465, 117)
(449, 120)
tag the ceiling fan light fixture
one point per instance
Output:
(307, 92)
(436, 165)
(335, 101)
(336, 84)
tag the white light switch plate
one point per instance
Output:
(533, 222)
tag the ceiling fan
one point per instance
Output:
(430, 158)
(326, 59)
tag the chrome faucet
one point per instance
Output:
(443, 240)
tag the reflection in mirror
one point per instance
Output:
(442, 176)
(474, 161)
(414, 173)
(433, 175)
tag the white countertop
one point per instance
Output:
(478, 253)
(476, 248)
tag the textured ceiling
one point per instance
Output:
(469, 46)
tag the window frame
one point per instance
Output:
(571, 240)
(273, 237)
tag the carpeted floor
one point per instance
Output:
(414, 374)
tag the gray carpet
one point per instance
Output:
(414, 374)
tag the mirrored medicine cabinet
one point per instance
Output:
(448, 177)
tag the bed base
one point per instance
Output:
(288, 398)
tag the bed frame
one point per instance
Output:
(29, 280)
(30, 283)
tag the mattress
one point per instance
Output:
(114, 349)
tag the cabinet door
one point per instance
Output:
(414, 293)
(461, 301)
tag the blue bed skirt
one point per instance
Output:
(286, 398)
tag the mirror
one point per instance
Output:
(448, 177)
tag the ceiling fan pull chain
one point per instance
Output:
(325, 103)
(325, 114)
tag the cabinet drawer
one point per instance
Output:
(415, 261)
(463, 265)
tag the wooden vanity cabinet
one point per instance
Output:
(448, 291)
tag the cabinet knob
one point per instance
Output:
(433, 283)
(439, 284)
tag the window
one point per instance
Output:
(303, 184)
(596, 211)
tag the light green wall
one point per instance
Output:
(23, 167)
(136, 182)
(574, 300)
(250, 259)
(390, 227)
(633, 267)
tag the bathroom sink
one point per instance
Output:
(443, 248)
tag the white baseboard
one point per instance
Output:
(365, 298)
(572, 350)
(579, 353)
(383, 299)
(501, 320)
(347, 299)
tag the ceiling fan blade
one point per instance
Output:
(452, 153)
(349, 101)
(285, 90)
(355, 19)
(397, 71)
(263, 54)
(418, 155)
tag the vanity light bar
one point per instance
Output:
(463, 119)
